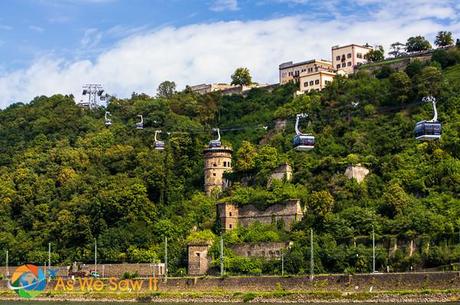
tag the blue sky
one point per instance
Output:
(54, 46)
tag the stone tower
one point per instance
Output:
(217, 161)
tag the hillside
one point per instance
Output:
(67, 179)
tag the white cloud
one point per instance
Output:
(91, 38)
(224, 5)
(210, 52)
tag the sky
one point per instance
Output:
(56, 46)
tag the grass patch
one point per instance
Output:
(452, 74)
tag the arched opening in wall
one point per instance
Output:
(230, 214)
(225, 163)
(230, 226)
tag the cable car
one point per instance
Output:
(158, 144)
(140, 125)
(215, 143)
(108, 120)
(429, 130)
(302, 142)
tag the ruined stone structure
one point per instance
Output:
(357, 172)
(268, 250)
(217, 161)
(198, 260)
(282, 172)
(232, 215)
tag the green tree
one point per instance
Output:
(429, 81)
(166, 89)
(417, 44)
(401, 86)
(246, 157)
(241, 77)
(321, 203)
(444, 39)
(375, 55)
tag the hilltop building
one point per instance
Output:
(290, 71)
(316, 74)
(228, 89)
(217, 161)
(207, 88)
(347, 58)
(316, 81)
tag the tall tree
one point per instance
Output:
(417, 44)
(241, 77)
(166, 89)
(444, 39)
(397, 49)
(375, 55)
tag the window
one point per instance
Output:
(214, 174)
(214, 164)
(225, 163)
(249, 253)
(337, 57)
(198, 254)
(311, 83)
(343, 65)
(349, 64)
(305, 84)
(359, 55)
(230, 226)
(338, 66)
(349, 55)
(327, 82)
(317, 82)
(230, 214)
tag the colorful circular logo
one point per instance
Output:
(28, 281)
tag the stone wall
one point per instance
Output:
(357, 172)
(106, 270)
(268, 250)
(288, 212)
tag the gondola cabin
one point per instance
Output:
(140, 125)
(159, 145)
(427, 131)
(108, 122)
(304, 142)
(215, 144)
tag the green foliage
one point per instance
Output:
(67, 179)
(166, 89)
(375, 55)
(444, 39)
(417, 44)
(241, 77)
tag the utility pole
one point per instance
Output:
(221, 256)
(49, 255)
(7, 270)
(95, 255)
(166, 259)
(282, 264)
(312, 261)
(373, 249)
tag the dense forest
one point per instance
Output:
(68, 180)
